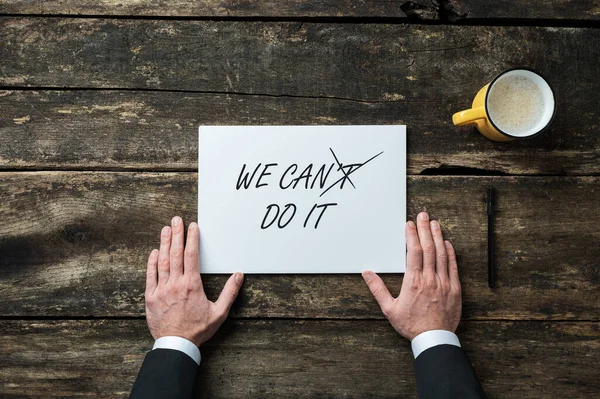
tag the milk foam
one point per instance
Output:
(516, 105)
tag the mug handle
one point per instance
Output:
(468, 116)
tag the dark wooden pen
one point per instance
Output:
(491, 258)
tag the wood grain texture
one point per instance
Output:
(223, 8)
(419, 9)
(284, 73)
(75, 244)
(362, 62)
(519, 9)
(112, 130)
(286, 358)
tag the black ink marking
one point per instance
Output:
(340, 167)
(285, 173)
(321, 176)
(277, 217)
(352, 168)
(324, 207)
(287, 207)
(304, 175)
(308, 216)
(262, 225)
(244, 181)
(264, 173)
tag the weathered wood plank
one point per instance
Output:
(364, 62)
(222, 8)
(75, 244)
(284, 358)
(378, 73)
(158, 130)
(421, 9)
(519, 9)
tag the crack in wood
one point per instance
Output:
(210, 92)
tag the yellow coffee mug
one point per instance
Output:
(518, 103)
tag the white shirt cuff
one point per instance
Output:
(432, 338)
(178, 344)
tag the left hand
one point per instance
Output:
(176, 304)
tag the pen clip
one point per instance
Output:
(490, 201)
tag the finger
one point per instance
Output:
(229, 293)
(152, 272)
(452, 264)
(379, 290)
(441, 257)
(414, 256)
(426, 243)
(163, 255)
(176, 253)
(190, 257)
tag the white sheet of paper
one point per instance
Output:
(363, 231)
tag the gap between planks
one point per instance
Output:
(207, 92)
(324, 319)
(426, 173)
(511, 22)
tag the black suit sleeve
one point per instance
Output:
(444, 371)
(166, 374)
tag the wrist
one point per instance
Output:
(431, 338)
(411, 334)
(181, 344)
(177, 334)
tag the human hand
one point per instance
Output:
(176, 304)
(430, 297)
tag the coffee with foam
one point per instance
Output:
(520, 103)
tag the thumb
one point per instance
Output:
(229, 293)
(379, 290)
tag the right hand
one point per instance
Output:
(430, 298)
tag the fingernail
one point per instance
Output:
(367, 276)
(176, 220)
(435, 224)
(192, 225)
(411, 224)
(423, 216)
(239, 277)
(166, 231)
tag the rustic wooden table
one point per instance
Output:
(99, 107)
